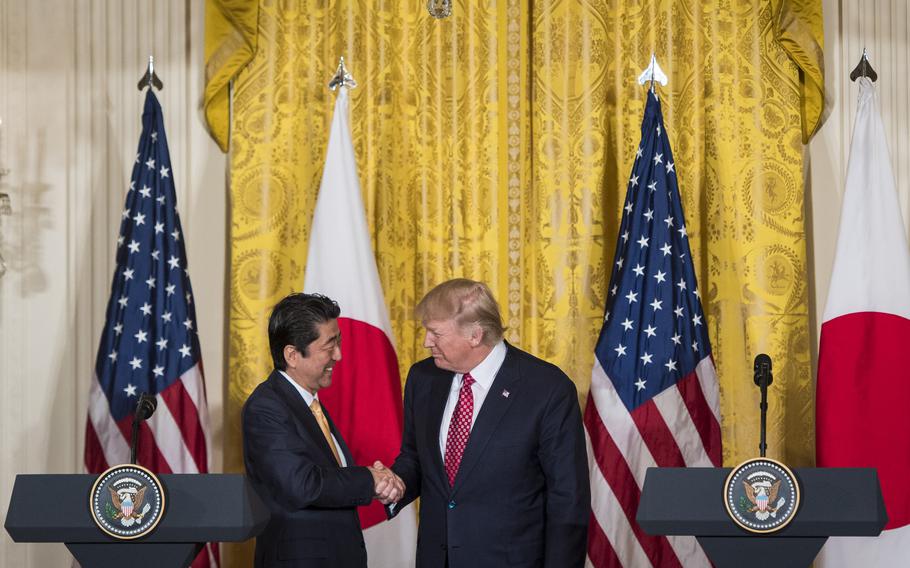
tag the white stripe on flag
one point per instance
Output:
(210, 548)
(611, 517)
(169, 440)
(676, 415)
(193, 383)
(619, 424)
(115, 447)
(707, 378)
(689, 552)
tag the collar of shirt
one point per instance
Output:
(485, 372)
(307, 397)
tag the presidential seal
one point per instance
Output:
(761, 495)
(127, 501)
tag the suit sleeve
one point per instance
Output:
(284, 462)
(565, 464)
(407, 464)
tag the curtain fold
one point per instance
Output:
(231, 35)
(496, 144)
(800, 31)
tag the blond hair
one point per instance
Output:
(466, 302)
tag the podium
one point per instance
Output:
(200, 508)
(690, 501)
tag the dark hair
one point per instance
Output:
(294, 320)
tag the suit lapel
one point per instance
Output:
(441, 385)
(348, 456)
(494, 407)
(301, 412)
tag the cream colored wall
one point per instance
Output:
(71, 120)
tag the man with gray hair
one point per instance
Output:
(493, 444)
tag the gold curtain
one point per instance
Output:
(495, 144)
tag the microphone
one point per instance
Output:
(763, 378)
(145, 407)
(762, 368)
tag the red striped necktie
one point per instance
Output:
(459, 428)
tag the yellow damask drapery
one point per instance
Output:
(495, 144)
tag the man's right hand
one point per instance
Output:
(388, 487)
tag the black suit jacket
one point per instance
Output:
(521, 496)
(313, 501)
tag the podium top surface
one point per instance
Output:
(200, 508)
(690, 501)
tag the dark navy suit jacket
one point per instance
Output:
(313, 501)
(521, 496)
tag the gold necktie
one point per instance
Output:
(324, 425)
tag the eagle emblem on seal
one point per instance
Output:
(129, 501)
(762, 493)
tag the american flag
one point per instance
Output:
(654, 396)
(149, 341)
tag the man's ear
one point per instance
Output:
(476, 335)
(290, 356)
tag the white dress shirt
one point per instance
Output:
(483, 374)
(308, 399)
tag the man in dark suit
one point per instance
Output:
(294, 456)
(493, 444)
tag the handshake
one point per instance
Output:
(388, 487)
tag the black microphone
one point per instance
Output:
(763, 378)
(762, 369)
(145, 407)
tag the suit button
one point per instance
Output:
(451, 504)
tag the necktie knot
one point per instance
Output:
(467, 380)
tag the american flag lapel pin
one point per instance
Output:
(505, 393)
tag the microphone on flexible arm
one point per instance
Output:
(145, 407)
(763, 378)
